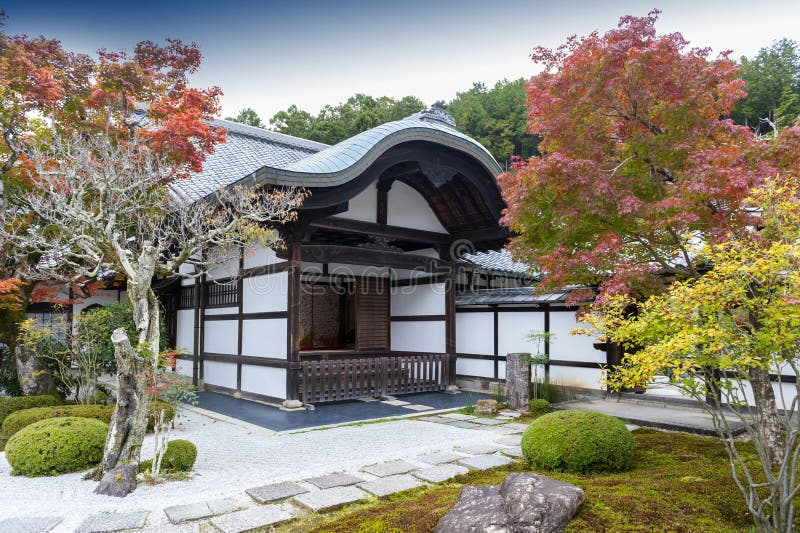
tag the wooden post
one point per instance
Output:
(196, 343)
(293, 326)
(240, 321)
(450, 327)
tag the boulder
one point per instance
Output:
(119, 481)
(486, 407)
(518, 379)
(522, 503)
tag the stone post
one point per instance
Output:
(518, 380)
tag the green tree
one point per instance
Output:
(773, 88)
(496, 117)
(247, 116)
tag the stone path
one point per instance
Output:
(268, 505)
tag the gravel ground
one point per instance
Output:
(232, 458)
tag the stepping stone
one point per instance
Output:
(514, 451)
(390, 485)
(418, 407)
(397, 403)
(465, 425)
(112, 522)
(488, 421)
(254, 518)
(437, 458)
(518, 428)
(511, 440)
(178, 514)
(631, 427)
(440, 473)
(272, 493)
(501, 430)
(334, 480)
(389, 469)
(457, 416)
(319, 500)
(484, 462)
(29, 524)
(510, 414)
(477, 449)
(433, 418)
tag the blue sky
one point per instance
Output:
(271, 54)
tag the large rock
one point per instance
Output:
(486, 407)
(119, 481)
(522, 503)
(518, 379)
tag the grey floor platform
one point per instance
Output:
(670, 416)
(327, 413)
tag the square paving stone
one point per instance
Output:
(514, 451)
(390, 485)
(510, 414)
(433, 418)
(440, 473)
(194, 511)
(457, 416)
(437, 458)
(29, 524)
(478, 449)
(484, 462)
(112, 522)
(488, 421)
(334, 480)
(319, 500)
(254, 518)
(465, 425)
(518, 428)
(510, 440)
(397, 403)
(275, 492)
(500, 430)
(389, 469)
(418, 407)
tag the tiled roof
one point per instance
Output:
(497, 261)
(268, 157)
(510, 295)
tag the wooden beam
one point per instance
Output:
(381, 230)
(316, 253)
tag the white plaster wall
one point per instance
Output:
(183, 367)
(363, 206)
(264, 338)
(260, 256)
(265, 293)
(428, 299)
(222, 311)
(409, 209)
(419, 336)
(475, 367)
(102, 297)
(514, 328)
(221, 336)
(264, 380)
(186, 270)
(218, 373)
(475, 333)
(184, 336)
(226, 264)
(587, 378)
(400, 274)
(571, 347)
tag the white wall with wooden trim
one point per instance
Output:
(407, 208)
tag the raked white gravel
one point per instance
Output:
(231, 458)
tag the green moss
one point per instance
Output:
(578, 442)
(17, 403)
(539, 406)
(180, 456)
(20, 419)
(649, 497)
(56, 445)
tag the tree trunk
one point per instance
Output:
(768, 421)
(129, 422)
(34, 378)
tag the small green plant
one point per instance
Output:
(539, 406)
(180, 456)
(56, 445)
(579, 442)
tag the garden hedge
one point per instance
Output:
(56, 445)
(20, 419)
(579, 442)
(9, 405)
(179, 457)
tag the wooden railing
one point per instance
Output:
(372, 377)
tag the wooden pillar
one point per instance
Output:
(450, 325)
(547, 342)
(293, 322)
(496, 329)
(203, 300)
(240, 320)
(196, 337)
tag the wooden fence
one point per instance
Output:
(371, 377)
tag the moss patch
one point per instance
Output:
(677, 482)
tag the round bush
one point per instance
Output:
(20, 419)
(155, 413)
(18, 403)
(57, 445)
(538, 407)
(579, 442)
(180, 456)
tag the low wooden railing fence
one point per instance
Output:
(372, 377)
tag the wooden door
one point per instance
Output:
(372, 314)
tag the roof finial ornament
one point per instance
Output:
(437, 113)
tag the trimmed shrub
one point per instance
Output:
(57, 445)
(180, 456)
(18, 403)
(579, 442)
(20, 419)
(539, 407)
(155, 412)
